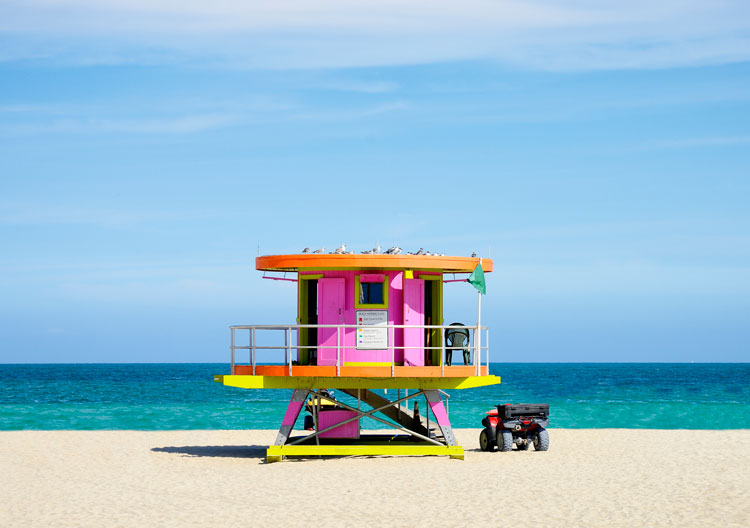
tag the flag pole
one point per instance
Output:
(478, 335)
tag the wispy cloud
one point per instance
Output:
(371, 87)
(165, 125)
(567, 35)
(684, 143)
(166, 117)
(353, 113)
(23, 109)
(27, 213)
(701, 142)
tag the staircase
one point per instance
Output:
(400, 415)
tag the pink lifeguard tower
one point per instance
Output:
(366, 325)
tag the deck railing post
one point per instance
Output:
(288, 339)
(338, 351)
(442, 357)
(487, 344)
(252, 348)
(392, 339)
(231, 370)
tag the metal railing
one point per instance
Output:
(479, 348)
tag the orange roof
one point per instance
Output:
(321, 261)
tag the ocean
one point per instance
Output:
(184, 396)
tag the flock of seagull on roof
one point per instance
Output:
(395, 250)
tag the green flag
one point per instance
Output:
(476, 279)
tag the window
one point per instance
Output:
(371, 291)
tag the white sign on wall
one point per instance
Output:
(372, 333)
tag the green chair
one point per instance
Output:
(457, 339)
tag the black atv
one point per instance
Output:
(522, 424)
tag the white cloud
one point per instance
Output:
(567, 35)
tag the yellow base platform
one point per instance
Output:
(276, 453)
(335, 382)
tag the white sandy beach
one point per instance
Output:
(607, 477)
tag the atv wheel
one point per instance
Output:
(504, 440)
(485, 441)
(541, 440)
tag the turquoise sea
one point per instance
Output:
(184, 396)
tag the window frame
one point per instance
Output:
(370, 278)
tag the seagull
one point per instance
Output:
(420, 252)
(396, 250)
(341, 250)
(306, 250)
(320, 250)
(474, 254)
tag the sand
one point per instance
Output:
(605, 477)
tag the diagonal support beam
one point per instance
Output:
(404, 417)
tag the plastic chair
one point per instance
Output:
(458, 339)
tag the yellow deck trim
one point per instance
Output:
(276, 453)
(306, 382)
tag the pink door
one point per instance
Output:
(414, 315)
(330, 311)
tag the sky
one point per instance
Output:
(597, 151)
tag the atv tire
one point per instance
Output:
(485, 440)
(541, 440)
(504, 441)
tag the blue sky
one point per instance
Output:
(599, 153)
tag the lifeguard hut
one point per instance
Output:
(365, 323)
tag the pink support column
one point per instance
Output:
(438, 409)
(290, 417)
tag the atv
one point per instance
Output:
(522, 424)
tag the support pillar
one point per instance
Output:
(441, 416)
(290, 417)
